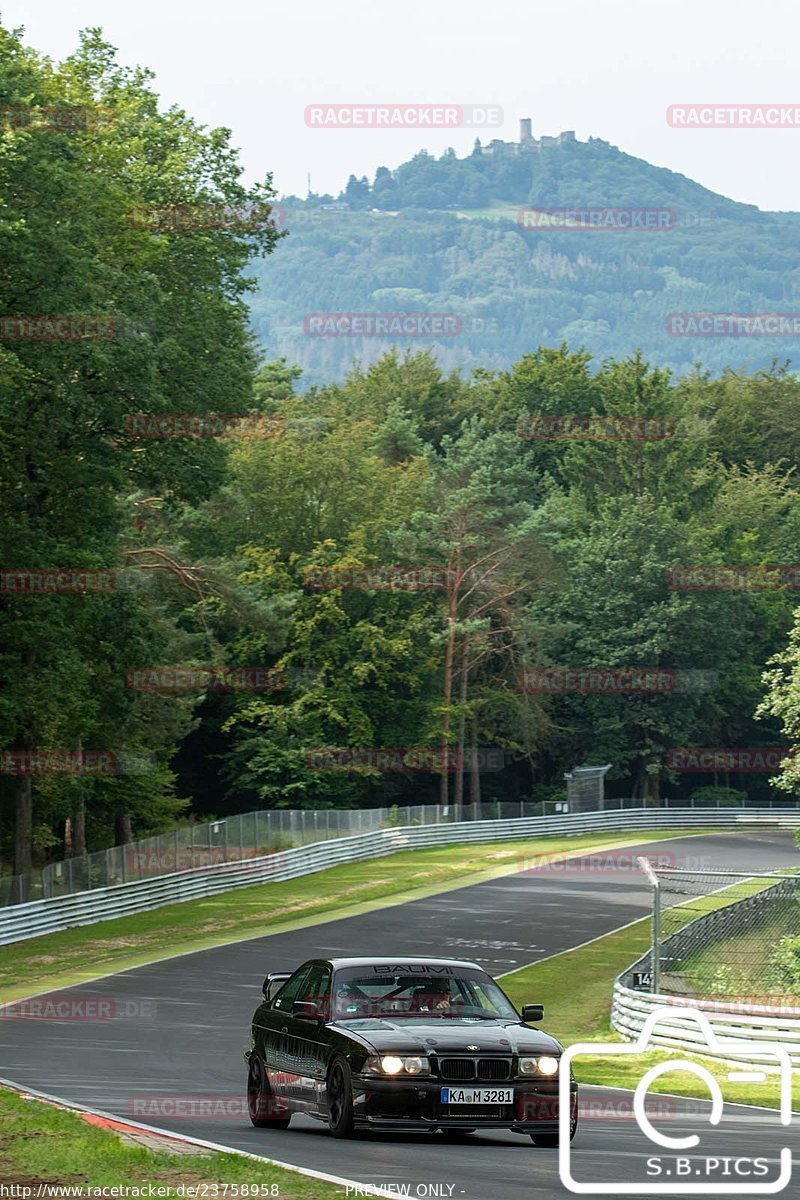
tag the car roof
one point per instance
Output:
(412, 960)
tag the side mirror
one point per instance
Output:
(533, 1012)
(307, 1010)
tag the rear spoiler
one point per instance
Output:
(274, 982)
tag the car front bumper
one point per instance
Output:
(416, 1104)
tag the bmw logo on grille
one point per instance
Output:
(473, 1047)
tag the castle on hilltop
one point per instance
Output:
(527, 143)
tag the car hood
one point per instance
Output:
(418, 1036)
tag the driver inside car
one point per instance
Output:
(434, 996)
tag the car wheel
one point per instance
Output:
(340, 1100)
(261, 1104)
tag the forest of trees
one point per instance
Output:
(250, 554)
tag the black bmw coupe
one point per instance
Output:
(403, 1044)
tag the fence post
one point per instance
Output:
(655, 956)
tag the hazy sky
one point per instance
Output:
(605, 68)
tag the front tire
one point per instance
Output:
(261, 1104)
(340, 1100)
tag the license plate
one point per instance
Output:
(477, 1095)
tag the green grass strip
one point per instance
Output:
(45, 1145)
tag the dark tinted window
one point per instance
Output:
(293, 989)
(317, 986)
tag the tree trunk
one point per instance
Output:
(648, 788)
(23, 826)
(23, 806)
(475, 774)
(452, 612)
(458, 795)
(123, 831)
(79, 827)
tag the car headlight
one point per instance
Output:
(546, 1065)
(397, 1064)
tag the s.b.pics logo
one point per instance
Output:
(709, 1150)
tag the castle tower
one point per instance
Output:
(525, 130)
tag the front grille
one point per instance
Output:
(494, 1068)
(457, 1070)
(464, 1070)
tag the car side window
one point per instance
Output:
(292, 990)
(317, 986)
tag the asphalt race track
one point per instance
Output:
(178, 1029)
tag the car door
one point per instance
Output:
(276, 1035)
(307, 1041)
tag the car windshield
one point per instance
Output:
(420, 991)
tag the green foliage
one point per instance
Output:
(718, 797)
(783, 974)
(75, 479)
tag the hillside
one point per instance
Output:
(445, 236)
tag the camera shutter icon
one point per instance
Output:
(666, 1024)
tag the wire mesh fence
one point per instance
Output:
(720, 935)
(244, 836)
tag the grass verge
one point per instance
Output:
(41, 1144)
(76, 955)
(576, 988)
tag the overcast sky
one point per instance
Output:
(605, 68)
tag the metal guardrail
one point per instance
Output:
(749, 1024)
(102, 904)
